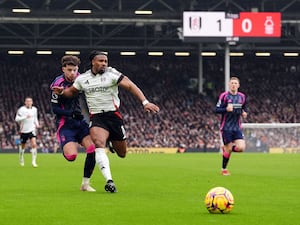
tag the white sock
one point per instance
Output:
(85, 181)
(21, 153)
(34, 155)
(103, 162)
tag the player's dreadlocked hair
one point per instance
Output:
(95, 53)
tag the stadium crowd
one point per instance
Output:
(186, 118)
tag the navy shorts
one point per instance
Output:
(112, 122)
(229, 136)
(72, 131)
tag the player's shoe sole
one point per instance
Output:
(110, 187)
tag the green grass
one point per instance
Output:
(153, 189)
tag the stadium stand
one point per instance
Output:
(186, 117)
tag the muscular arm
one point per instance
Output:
(68, 92)
(127, 84)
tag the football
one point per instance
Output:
(219, 200)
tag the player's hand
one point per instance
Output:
(229, 107)
(57, 90)
(150, 107)
(244, 114)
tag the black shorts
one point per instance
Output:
(25, 136)
(111, 121)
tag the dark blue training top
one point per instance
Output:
(231, 120)
(63, 107)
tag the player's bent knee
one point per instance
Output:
(71, 157)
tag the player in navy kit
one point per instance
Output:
(232, 105)
(71, 127)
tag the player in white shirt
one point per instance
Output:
(73, 128)
(100, 85)
(27, 118)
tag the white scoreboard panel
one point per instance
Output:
(207, 24)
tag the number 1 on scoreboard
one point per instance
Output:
(207, 24)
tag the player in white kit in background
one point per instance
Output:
(27, 118)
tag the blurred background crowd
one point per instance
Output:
(186, 118)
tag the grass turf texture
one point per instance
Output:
(153, 189)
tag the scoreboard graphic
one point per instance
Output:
(222, 27)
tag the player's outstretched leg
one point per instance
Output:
(103, 163)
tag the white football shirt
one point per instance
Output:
(101, 90)
(27, 118)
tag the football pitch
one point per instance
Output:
(153, 189)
